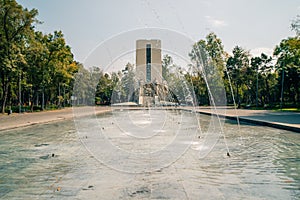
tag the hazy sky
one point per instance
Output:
(253, 24)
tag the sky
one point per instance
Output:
(256, 25)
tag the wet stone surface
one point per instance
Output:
(264, 163)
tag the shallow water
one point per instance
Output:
(167, 160)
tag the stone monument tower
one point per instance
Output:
(148, 61)
(153, 90)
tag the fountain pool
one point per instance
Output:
(54, 161)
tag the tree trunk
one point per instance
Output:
(297, 95)
(37, 99)
(59, 100)
(33, 93)
(268, 91)
(43, 99)
(238, 96)
(64, 96)
(4, 102)
(5, 95)
(298, 98)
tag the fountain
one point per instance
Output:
(150, 151)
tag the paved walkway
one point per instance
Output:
(277, 119)
(16, 120)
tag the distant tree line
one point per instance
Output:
(93, 86)
(38, 71)
(246, 81)
(261, 81)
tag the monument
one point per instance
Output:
(153, 90)
(148, 61)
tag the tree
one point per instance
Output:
(85, 84)
(288, 67)
(237, 66)
(296, 25)
(15, 26)
(167, 63)
(264, 78)
(50, 69)
(208, 57)
(105, 88)
(129, 84)
(216, 52)
(60, 64)
(33, 65)
(37, 72)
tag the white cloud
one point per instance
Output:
(206, 3)
(215, 22)
(259, 50)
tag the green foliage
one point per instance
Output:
(167, 63)
(15, 28)
(35, 68)
(105, 88)
(253, 80)
(238, 69)
(85, 84)
(128, 85)
(296, 25)
(288, 67)
(38, 71)
(265, 78)
(208, 68)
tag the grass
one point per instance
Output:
(289, 109)
(274, 107)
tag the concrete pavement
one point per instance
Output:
(16, 120)
(278, 119)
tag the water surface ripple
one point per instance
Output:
(49, 161)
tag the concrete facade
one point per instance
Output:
(148, 61)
